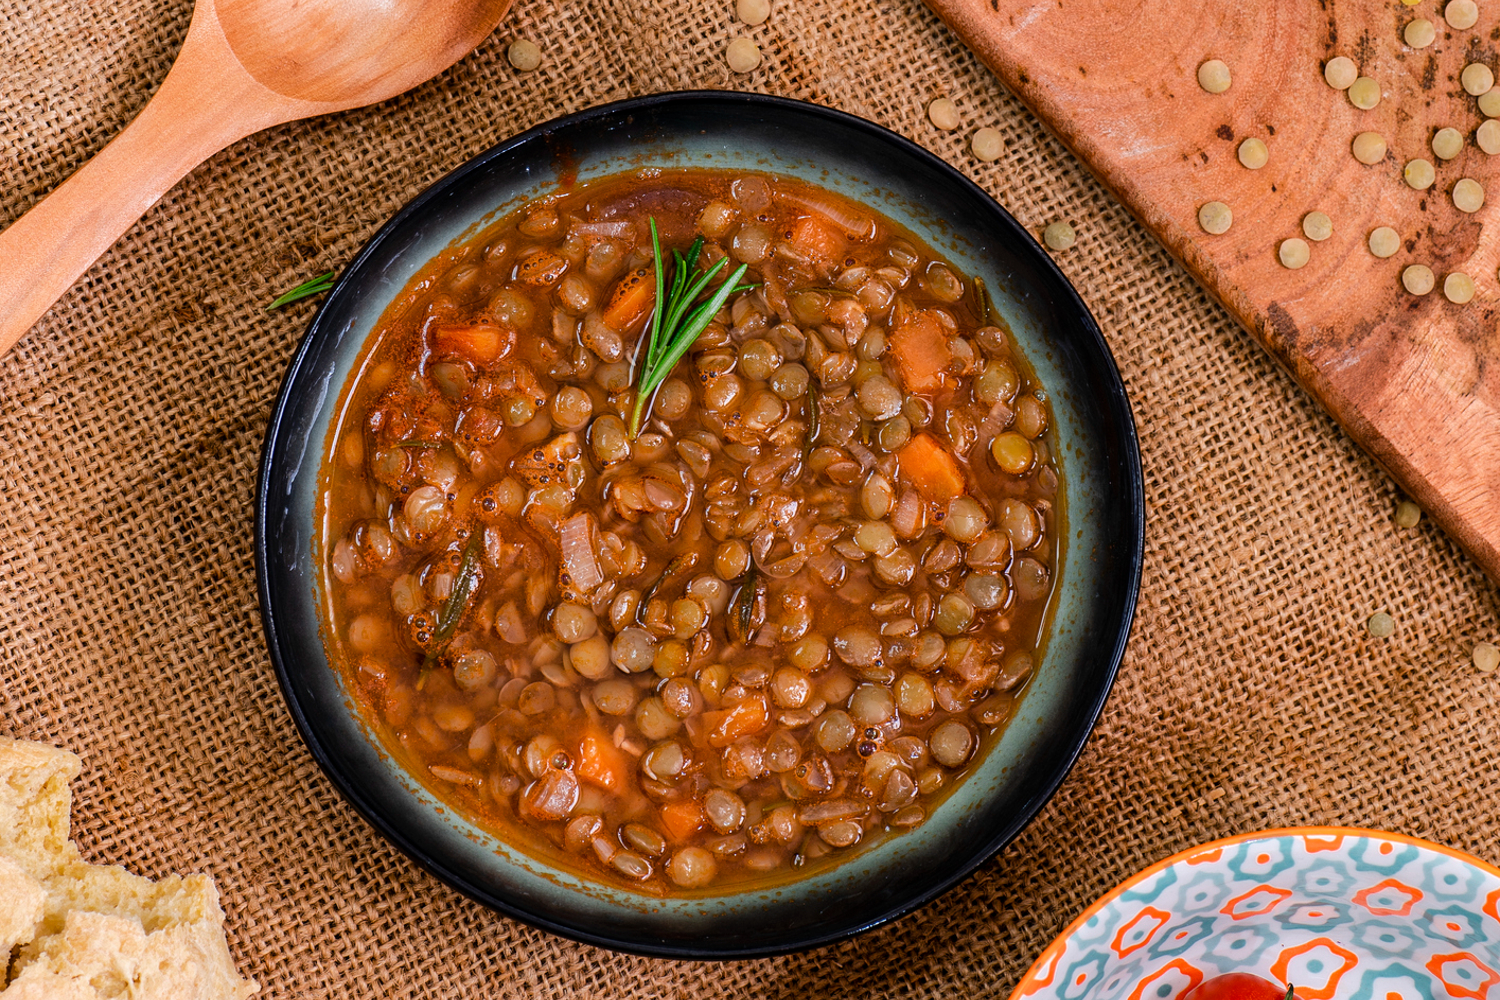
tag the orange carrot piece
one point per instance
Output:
(631, 301)
(743, 718)
(601, 762)
(817, 239)
(931, 468)
(921, 350)
(481, 343)
(682, 819)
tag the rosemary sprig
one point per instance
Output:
(458, 600)
(419, 444)
(675, 322)
(316, 286)
(984, 305)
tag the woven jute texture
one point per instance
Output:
(131, 420)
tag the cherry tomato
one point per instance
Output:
(1239, 986)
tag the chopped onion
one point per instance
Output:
(577, 542)
(609, 230)
(860, 227)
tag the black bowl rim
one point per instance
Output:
(1133, 484)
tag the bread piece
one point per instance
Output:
(22, 903)
(101, 955)
(34, 805)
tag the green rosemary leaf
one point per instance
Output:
(458, 597)
(419, 444)
(315, 286)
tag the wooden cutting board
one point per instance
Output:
(1414, 380)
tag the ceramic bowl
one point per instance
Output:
(1097, 582)
(1340, 914)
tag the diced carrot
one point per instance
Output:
(921, 350)
(481, 343)
(682, 819)
(631, 301)
(817, 239)
(931, 468)
(601, 762)
(743, 718)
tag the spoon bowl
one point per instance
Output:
(245, 65)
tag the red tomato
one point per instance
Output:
(1239, 986)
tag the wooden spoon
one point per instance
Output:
(246, 65)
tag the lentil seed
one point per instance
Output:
(1418, 279)
(1468, 195)
(1340, 72)
(1213, 76)
(752, 12)
(742, 55)
(1419, 174)
(1364, 93)
(943, 114)
(1489, 104)
(1253, 154)
(1487, 137)
(1486, 657)
(1369, 148)
(1293, 253)
(1458, 288)
(1384, 241)
(1461, 14)
(1447, 143)
(1059, 236)
(1215, 218)
(987, 144)
(1317, 226)
(1407, 514)
(1419, 33)
(1477, 79)
(1381, 625)
(524, 55)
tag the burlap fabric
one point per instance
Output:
(131, 420)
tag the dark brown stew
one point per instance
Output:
(774, 626)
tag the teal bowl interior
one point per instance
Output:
(1097, 583)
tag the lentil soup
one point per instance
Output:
(771, 628)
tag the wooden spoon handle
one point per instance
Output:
(202, 107)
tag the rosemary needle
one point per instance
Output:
(314, 286)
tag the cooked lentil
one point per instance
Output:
(1215, 218)
(1369, 147)
(1418, 279)
(1419, 174)
(1461, 14)
(720, 653)
(987, 144)
(1468, 195)
(1317, 226)
(943, 114)
(1407, 514)
(1294, 253)
(1458, 288)
(1381, 625)
(1447, 143)
(1364, 93)
(1477, 79)
(742, 55)
(1340, 72)
(1253, 154)
(1486, 657)
(1213, 76)
(1384, 241)
(1059, 236)
(1419, 33)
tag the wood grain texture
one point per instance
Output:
(1415, 380)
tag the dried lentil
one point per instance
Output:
(1486, 657)
(1419, 33)
(1489, 104)
(1369, 148)
(1059, 236)
(1461, 14)
(987, 144)
(943, 114)
(1340, 72)
(752, 12)
(1294, 253)
(1213, 76)
(743, 55)
(1487, 137)
(1447, 143)
(1381, 625)
(1407, 514)
(524, 55)
(1317, 226)
(1364, 93)
(1477, 79)
(1215, 218)
(1418, 279)
(1384, 241)
(1253, 154)
(1458, 288)
(1468, 195)
(1419, 174)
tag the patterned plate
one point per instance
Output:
(1341, 914)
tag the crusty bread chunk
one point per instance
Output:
(75, 931)
(23, 900)
(34, 805)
